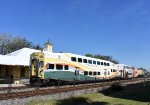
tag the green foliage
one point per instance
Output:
(89, 55)
(9, 43)
(130, 95)
(38, 47)
(103, 57)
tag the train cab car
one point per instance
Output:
(140, 73)
(125, 71)
(36, 67)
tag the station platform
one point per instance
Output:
(11, 85)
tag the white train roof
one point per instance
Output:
(85, 57)
(123, 65)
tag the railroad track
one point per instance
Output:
(61, 89)
(43, 92)
(26, 87)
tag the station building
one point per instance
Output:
(16, 65)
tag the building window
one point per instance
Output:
(80, 60)
(90, 61)
(111, 70)
(59, 67)
(22, 72)
(7, 71)
(94, 73)
(98, 63)
(107, 64)
(99, 73)
(50, 66)
(101, 63)
(90, 72)
(104, 63)
(94, 62)
(85, 73)
(73, 59)
(66, 67)
(85, 60)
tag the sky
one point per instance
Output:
(118, 28)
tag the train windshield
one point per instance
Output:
(41, 64)
(35, 63)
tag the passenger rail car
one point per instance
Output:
(126, 71)
(48, 68)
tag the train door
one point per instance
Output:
(34, 67)
(105, 73)
(77, 74)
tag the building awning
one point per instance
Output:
(20, 57)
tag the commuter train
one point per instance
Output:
(126, 71)
(48, 68)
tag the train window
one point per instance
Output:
(94, 73)
(98, 63)
(73, 59)
(35, 63)
(85, 73)
(66, 67)
(85, 60)
(94, 62)
(114, 70)
(90, 61)
(102, 63)
(90, 72)
(107, 64)
(50, 66)
(99, 73)
(80, 60)
(129, 73)
(41, 64)
(59, 67)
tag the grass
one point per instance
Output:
(131, 95)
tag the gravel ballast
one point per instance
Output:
(23, 101)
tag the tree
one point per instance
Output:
(8, 43)
(103, 57)
(89, 55)
(37, 47)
